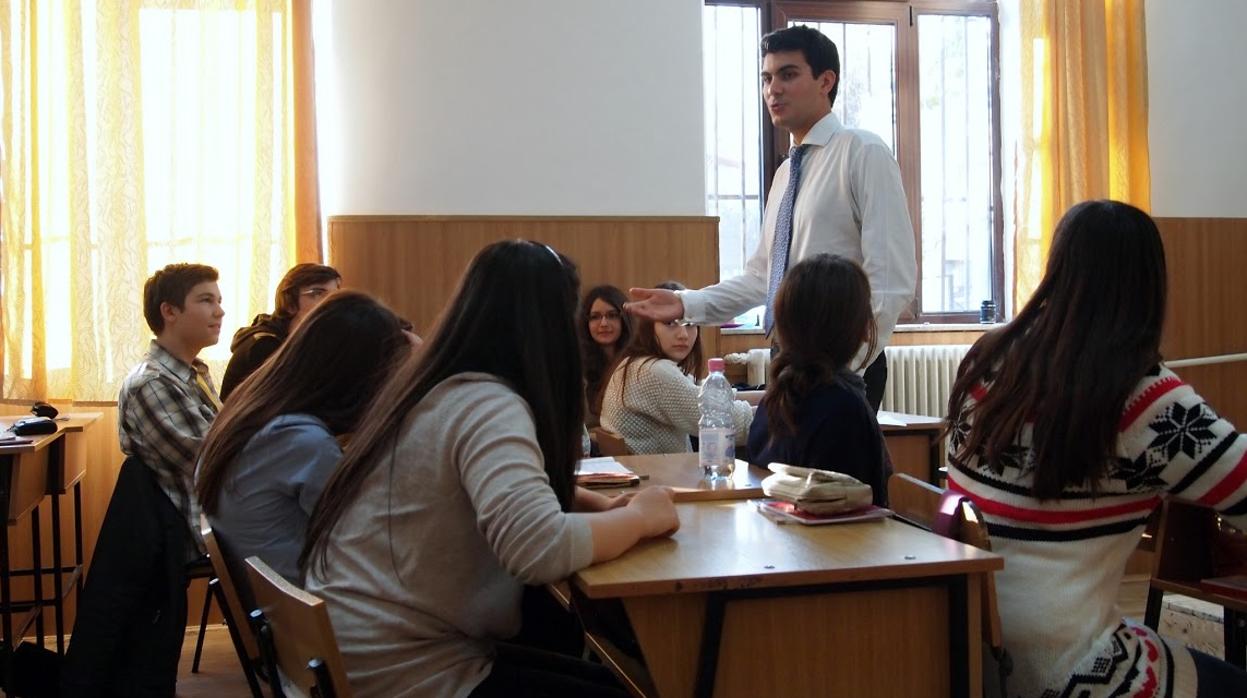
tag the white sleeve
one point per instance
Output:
(727, 299)
(888, 253)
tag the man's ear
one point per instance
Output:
(169, 312)
(827, 81)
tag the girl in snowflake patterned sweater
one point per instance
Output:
(1066, 431)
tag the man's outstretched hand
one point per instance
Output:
(657, 304)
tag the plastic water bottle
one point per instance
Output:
(715, 433)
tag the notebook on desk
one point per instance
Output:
(604, 472)
(786, 512)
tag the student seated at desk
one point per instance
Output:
(815, 413)
(274, 445)
(131, 617)
(301, 289)
(168, 402)
(1066, 430)
(604, 330)
(458, 489)
(651, 399)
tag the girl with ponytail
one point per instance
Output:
(815, 413)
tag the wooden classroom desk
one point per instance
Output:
(737, 605)
(914, 444)
(682, 473)
(38, 466)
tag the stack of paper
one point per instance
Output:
(604, 472)
(786, 512)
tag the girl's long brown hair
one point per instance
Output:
(513, 317)
(645, 349)
(596, 365)
(822, 317)
(1070, 359)
(330, 368)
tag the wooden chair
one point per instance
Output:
(1184, 556)
(609, 443)
(295, 637)
(233, 610)
(954, 516)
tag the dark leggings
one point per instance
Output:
(1218, 678)
(524, 672)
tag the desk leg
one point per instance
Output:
(962, 612)
(78, 534)
(1235, 630)
(36, 572)
(7, 464)
(58, 576)
(711, 639)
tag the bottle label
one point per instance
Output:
(716, 446)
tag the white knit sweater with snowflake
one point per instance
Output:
(660, 410)
(1064, 559)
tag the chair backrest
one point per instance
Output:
(235, 613)
(295, 636)
(953, 516)
(610, 443)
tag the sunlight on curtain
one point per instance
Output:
(1084, 118)
(136, 134)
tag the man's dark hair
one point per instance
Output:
(819, 51)
(171, 285)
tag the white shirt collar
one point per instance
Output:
(821, 132)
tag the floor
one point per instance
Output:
(219, 674)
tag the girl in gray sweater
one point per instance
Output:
(459, 489)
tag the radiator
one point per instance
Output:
(920, 378)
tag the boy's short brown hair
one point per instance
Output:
(171, 285)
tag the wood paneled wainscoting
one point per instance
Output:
(1207, 264)
(414, 263)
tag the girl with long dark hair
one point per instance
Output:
(459, 489)
(274, 446)
(652, 397)
(1066, 429)
(604, 330)
(815, 413)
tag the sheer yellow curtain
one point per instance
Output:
(1084, 118)
(137, 133)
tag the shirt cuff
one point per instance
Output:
(581, 541)
(694, 306)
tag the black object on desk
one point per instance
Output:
(33, 426)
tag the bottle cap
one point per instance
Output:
(715, 365)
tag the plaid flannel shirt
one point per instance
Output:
(164, 416)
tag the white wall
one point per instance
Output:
(541, 107)
(1197, 95)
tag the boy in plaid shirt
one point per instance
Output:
(168, 401)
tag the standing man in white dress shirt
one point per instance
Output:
(846, 199)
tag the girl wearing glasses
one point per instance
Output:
(300, 290)
(604, 330)
(651, 399)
